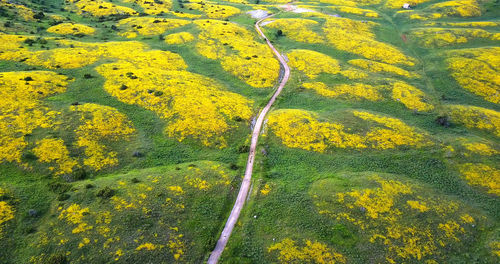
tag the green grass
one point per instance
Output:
(289, 209)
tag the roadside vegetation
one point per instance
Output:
(125, 127)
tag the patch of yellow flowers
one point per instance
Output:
(214, 10)
(313, 63)
(179, 38)
(71, 29)
(477, 71)
(378, 67)
(74, 54)
(302, 129)
(460, 8)
(344, 34)
(238, 52)
(193, 105)
(298, 29)
(148, 26)
(51, 150)
(476, 117)
(311, 252)
(21, 109)
(153, 7)
(6, 213)
(75, 215)
(440, 37)
(100, 8)
(356, 37)
(483, 149)
(356, 11)
(100, 124)
(21, 11)
(410, 96)
(482, 175)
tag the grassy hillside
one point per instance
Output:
(124, 131)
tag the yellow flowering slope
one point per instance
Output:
(298, 29)
(480, 148)
(313, 63)
(398, 222)
(100, 124)
(410, 96)
(179, 38)
(460, 8)
(389, 132)
(148, 26)
(356, 37)
(71, 29)
(476, 117)
(439, 37)
(20, 10)
(355, 11)
(21, 109)
(482, 175)
(153, 7)
(312, 252)
(194, 105)
(100, 8)
(238, 52)
(214, 10)
(477, 70)
(374, 66)
(74, 54)
(302, 129)
(54, 151)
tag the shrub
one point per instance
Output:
(106, 193)
(443, 121)
(39, 15)
(57, 258)
(63, 197)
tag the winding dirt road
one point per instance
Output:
(245, 185)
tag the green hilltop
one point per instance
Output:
(125, 129)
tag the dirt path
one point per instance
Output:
(245, 185)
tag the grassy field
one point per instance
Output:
(125, 126)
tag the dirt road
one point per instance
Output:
(245, 185)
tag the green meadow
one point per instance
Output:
(127, 143)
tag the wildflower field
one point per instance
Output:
(125, 128)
